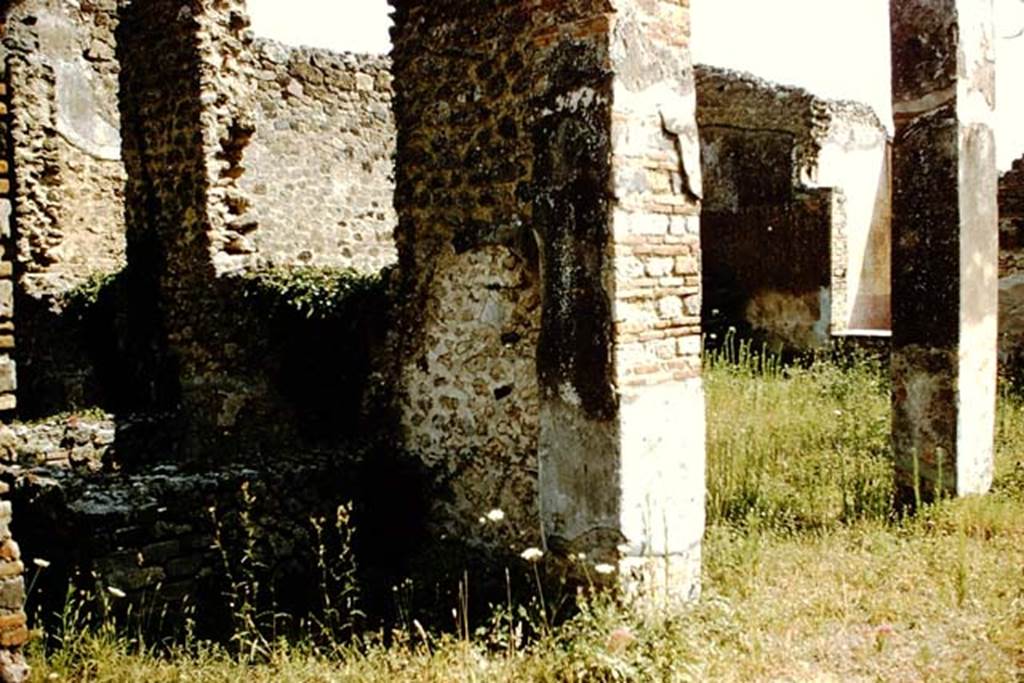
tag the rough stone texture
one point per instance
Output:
(548, 153)
(1011, 269)
(8, 374)
(68, 179)
(13, 623)
(70, 440)
(188, 110)
(170, 539)
(945, 246)
(69, 209)
(776, 160)
(293, 169)
(1011, 220)
(657, 188)
(318, 170)
(196, 215)
(469, 287)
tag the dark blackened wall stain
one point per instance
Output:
(571, 212)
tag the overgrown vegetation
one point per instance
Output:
(807, 574)
(312, 292)
(797, 447)
(318, 330)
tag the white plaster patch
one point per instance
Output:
(663, 468)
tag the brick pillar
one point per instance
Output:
(622, 414)
(945, 246)
(13, 624)
(549, 151)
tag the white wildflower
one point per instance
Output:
(604, 569)
(532, 554)
(116, 592)
(41, 563)
(496, 516)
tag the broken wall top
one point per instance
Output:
(741, 100)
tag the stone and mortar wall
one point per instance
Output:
(69, 211)
(319, 168)
(64, 441)
(657, 184)
(469, 291)
(188, 105)
(771, 154)
(1011, 268)
(14, 632)
(258, 155)
(548, 185)
(1011, 220)
(69, 184)
(171, 540)
(8, 375)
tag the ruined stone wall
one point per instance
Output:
(170, 541)
(69, 176)
(258, 156)
(188, 105)
(769, 148)
(14, 632)
(71, 440)
(8, 375)
(1011, 221)
(69, 185)
(319, 169)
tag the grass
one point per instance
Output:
(808, 577)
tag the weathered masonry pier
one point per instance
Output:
(945, 246)
(566, 135)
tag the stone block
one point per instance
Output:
(11, 569)
(15, 637)
(9, 551)
(8, 375)
(159, 553)
(6, 298)
(12, 594)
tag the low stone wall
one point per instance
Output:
(176, 543)
(67, 440)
